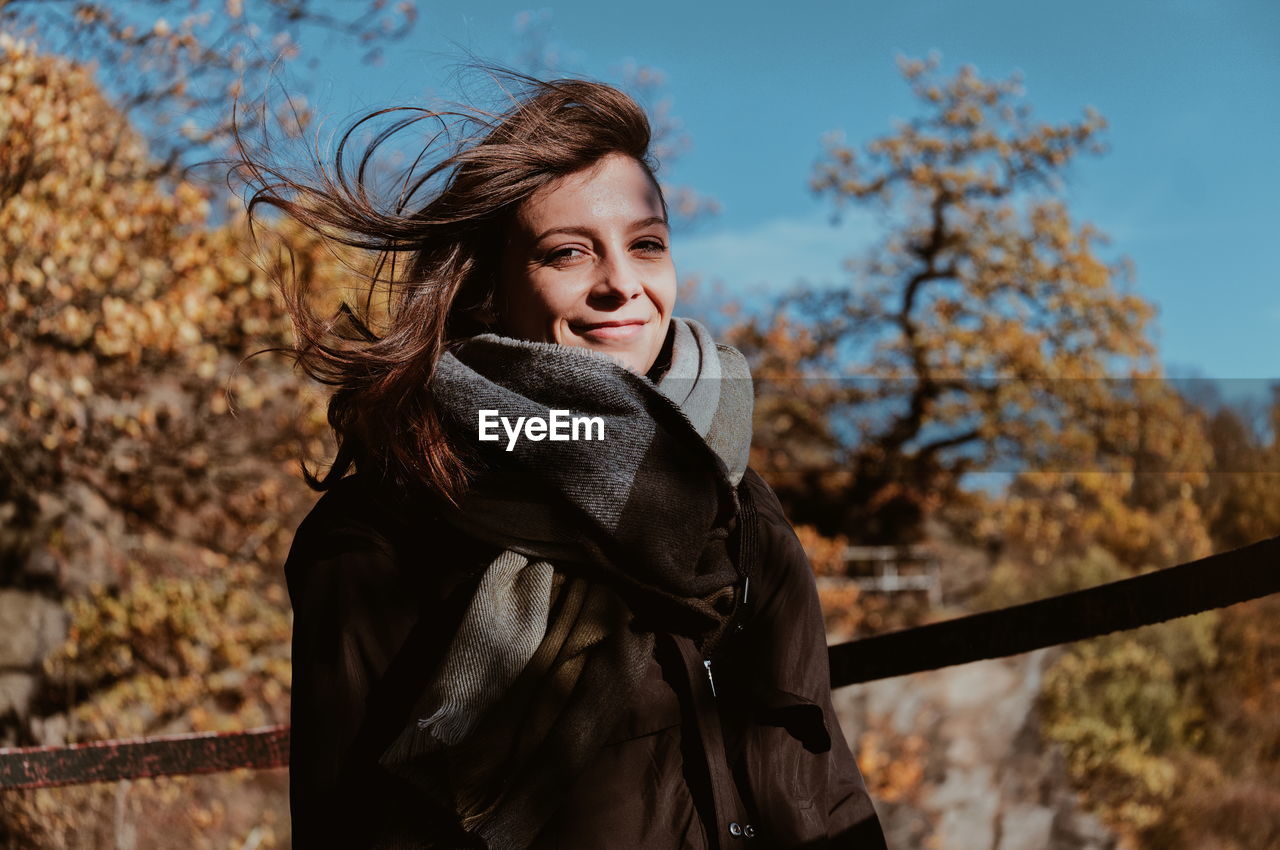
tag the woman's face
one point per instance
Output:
(589, 263)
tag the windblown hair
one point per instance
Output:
(437, 263)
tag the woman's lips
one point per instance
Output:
(609, 331)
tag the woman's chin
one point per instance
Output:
(629, 360)
(632, 355)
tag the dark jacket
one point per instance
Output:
(376, 598)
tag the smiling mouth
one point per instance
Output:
(609, 331)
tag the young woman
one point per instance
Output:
(551, 606)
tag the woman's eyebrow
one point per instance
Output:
(581, 230)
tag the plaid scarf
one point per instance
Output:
(606, 541)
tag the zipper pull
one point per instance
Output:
(742, 604)
(706, 662)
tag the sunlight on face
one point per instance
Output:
(589, 264)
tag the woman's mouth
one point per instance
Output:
(612, 331)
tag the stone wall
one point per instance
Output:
(959, 762)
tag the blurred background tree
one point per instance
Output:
(985, 332)
(978, 333)
(192, 68)
(148, 469)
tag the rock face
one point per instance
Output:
(983, 778)
(31, 626)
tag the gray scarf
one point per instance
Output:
(605, 541)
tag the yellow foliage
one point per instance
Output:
(893, 765)
(143, 449)
(983, 328)
(1123, 712)
(176, 654)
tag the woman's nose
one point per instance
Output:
(619, 279)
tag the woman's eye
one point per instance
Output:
(563, 254)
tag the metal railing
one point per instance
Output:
(1227, 578)
(886, 573)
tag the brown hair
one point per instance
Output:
(381, 410)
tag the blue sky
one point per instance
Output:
(1187, 191)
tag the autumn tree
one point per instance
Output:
(1242, 499)
(148, 468)
(164, 62)
(979, 332)
(986, 331)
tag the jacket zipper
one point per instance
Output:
(725, 799)
(742, 601)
